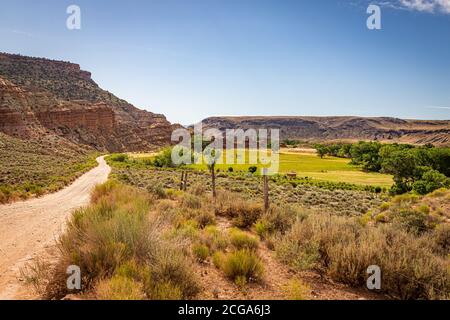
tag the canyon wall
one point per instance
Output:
(342, 128)
(40, 96)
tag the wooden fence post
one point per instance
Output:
(182, 180)
(213, 177)
(185, 181)
(266, 190)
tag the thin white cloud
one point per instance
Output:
(391, 4)
(419, 5)
(431, 6)
(20, 33)
(23, 33)
(438, 107)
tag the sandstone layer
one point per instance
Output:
(342, 128)
(39, 96)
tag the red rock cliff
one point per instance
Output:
(38, 95)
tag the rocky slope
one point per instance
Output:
(343, 128)
(39, 96)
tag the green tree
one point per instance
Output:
(321, 150)
(344, 151)
(440, 160)
(164, 159)
(431, 180)
(402, 165)
(367, 155)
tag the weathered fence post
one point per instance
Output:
(213, 177)
(182, 181)
(185, 181)
(266, 190)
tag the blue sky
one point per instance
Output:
(194, 59)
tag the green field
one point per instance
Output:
(312, 166)
(309, 165)
(331, 169)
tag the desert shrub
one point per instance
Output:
(158, 190)
(296, 290)
(305, 245)
(411, 220)
(241, 240)
(241, 264)
(218, 259)
(348, 261)
(187, 229)
(104, 189)
(198, 189)
(424, 209)
(119, 157)
(200, 251)
(172, 267)
(366, 218)
(270, 241)
(262, 229)
(41, 277)
(409, 212)
(441, 239)
(168, 211)
(344, 249)
(155, 281)
(191, 201)
(214, 239)
(205, 218)
(110, 231)
(32, 188)
(279, 219)
(439, 193)
(104, 237)
(385, 206)
(247, 216)
(243, 212)
(131, 269)
(173, 193)
(119, 288)
(224, 201)
(410, 270)
(381, 217)
(166, 291)
(6, 191)
(300, 256)
(406, 199)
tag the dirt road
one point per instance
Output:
(30, 228)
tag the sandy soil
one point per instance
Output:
(29, 229)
